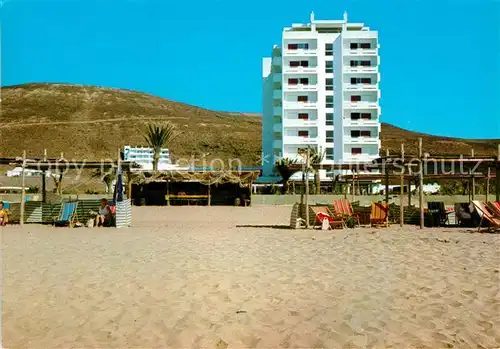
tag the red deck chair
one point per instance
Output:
(343, 207)
(379, 216)
(488, 215)
(322, 213)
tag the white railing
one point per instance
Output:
(299, 140)
(360, 105)
(361, 52)
(299, 123)
(300, 52)
(299, 105)
(300, 70)
(361, 140)
(300, 87)
(360, 69)
(360, 87)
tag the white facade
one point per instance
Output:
(321, 89)
(144, 157)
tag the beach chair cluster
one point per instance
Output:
(342, 213)
(490, 214)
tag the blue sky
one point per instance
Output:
(440, 60)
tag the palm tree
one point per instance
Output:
(315, 158)
(158, 136)
(283, 167)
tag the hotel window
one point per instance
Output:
(293, 46)
(356, 151)
(329, 49)
(366, 116)
(355, 134)
(304, 134)
(365, 45)
(302, 98)
(365, 134)
(329, 154)
(355, 116)
(304, 81)
(329, 119)
(353, 46)
(329, 67)
(365, 63)
(304, 46)
(354, 63)
(304, 64)
(294, 64)
(329, 84)
(329, 136)
(329, 101)
(355, 98)
(293, 81)
(303, 116)
(355, 81)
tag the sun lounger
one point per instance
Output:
(495, 206)
(67, 215)
(379, 216)
(322, 213)
(343, 207)
(487, 215)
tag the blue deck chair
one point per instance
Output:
(67, 214)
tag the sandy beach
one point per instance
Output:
(228, 277)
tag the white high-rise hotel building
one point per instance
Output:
(321, 89)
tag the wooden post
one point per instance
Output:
(44, 182)
(473, 180)
(129, 185)
(487, 185)
(497, 175)
(401, 191)
(209, 194)
(23, 192)
(353, 187)
(421, 184)
(386, 179)
(307, 187)
(409, 192)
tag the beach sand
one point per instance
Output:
(227, 277)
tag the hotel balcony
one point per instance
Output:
(300, 52)
(277, 127)
(360, 87)
(277, 144)
(277, 94)
(360, 105)
(299, 123)
(300, 87)
(360, 69)
(299, 140)
(300, 105)
(360, 52)
(278, 111)
(277, 61)
(277, 77)
(348, 122)
(300, 70)
(361, 140)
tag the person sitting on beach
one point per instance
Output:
(103, 217)
(4, 215)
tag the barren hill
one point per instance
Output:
(92, 123)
